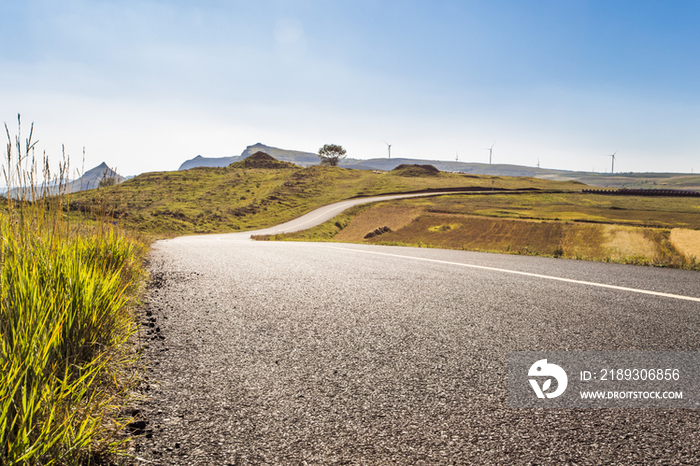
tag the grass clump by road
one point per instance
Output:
(67, 292)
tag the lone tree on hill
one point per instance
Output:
(331, 154)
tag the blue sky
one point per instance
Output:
(146, 85)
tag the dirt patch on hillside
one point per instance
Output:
(415, 170)
(394, 217)
(480, 233)
(616, 243)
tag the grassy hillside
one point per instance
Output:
(608, 180)
(631, 180)
(240, 197)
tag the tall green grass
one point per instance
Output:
(66, 295)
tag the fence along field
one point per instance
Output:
(68, 289)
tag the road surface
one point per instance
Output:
(321, 353)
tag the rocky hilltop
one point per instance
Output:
(91, 178)
(262, 160)
(303, 159)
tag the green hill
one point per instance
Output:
(261, 194)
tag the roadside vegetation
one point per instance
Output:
(67, 295)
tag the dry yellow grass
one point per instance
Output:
(687, 242)
(415, 225)
(444, 227)
(393, 216)
(583, 241)
(622, 242)
(481, 233)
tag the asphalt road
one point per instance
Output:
(318, 353)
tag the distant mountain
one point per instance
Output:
(90, 180)
(449, 166)
(200, 161)
(303, 159)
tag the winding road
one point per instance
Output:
(325, 213)
(327, 353)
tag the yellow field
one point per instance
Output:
(477, 233)
(615, 243)
(621, 242)
(686, 241)
(627, 229)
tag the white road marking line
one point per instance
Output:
(516, 272)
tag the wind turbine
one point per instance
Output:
(612, 169)
(490, 149)
(389, 147)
